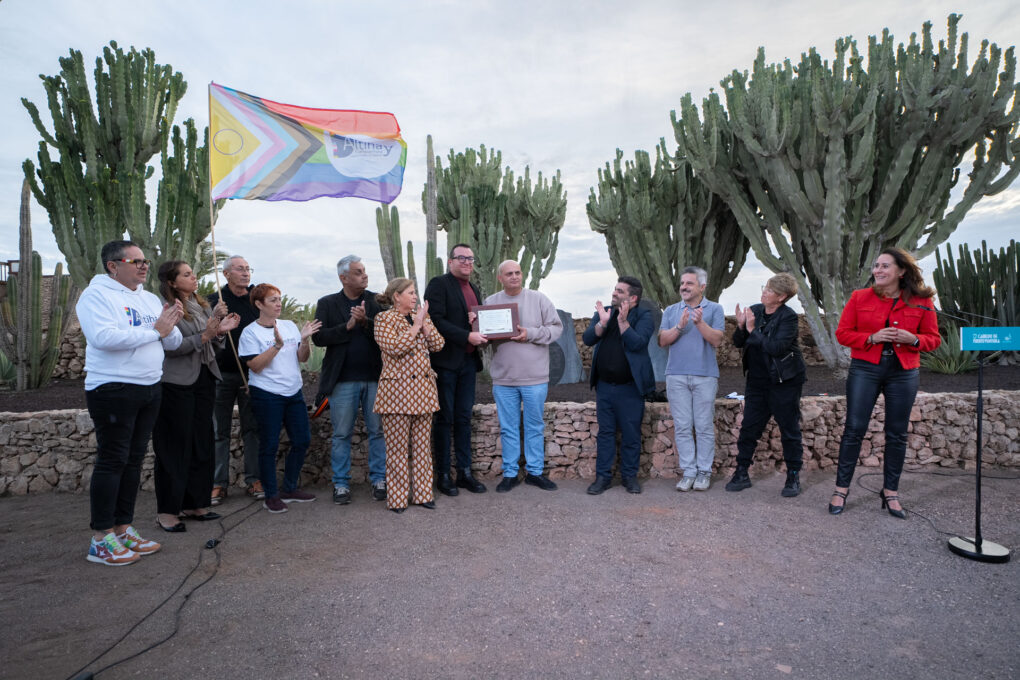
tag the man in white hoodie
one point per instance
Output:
(126, 329)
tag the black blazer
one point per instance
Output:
(778, 341)
(448, 312)
(335, 337)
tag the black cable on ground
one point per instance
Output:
(212, 544)
(935, 473)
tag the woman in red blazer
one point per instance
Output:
(886, 328)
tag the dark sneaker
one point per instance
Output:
(541, 481)
(274, 505)
(342, 495)
(378, 491)
(740, 480)
(506, 484)
(631, 484)
(296, 496)
(599, 485)
(792, 487)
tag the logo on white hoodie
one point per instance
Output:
(136, 319)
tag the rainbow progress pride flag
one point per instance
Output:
(265, 150)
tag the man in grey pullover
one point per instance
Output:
(520, 377)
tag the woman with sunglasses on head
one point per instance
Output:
(183, 435)
(886, 327)
(407, 396)
(775, 370)
(273, 348)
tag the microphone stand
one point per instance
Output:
(976, 548)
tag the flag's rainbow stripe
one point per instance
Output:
(261, 149)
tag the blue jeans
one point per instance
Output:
(456, 390)
(863, 385)
(618, 408)
(343, 411)
(272, 411)
(509, 401)
(692, 404)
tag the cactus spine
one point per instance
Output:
(33, 351)
(657, 220)
(94, 189)
(845, 159)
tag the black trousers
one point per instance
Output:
(456, 390)
(184, 442)
(123, 416)
(764, 400)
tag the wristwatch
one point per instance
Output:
(917, 342)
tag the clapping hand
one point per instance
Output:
(171, 314)
(310, 328)
(604, 314)
(229, 323)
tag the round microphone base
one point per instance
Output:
(987, 552)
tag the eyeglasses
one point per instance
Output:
(137, 263)
(244, 269)
(467, 259)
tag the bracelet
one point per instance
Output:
(870, 341)
(599, 324)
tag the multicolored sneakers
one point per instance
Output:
(111, 552)
(132, 541)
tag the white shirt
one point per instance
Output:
(282, 375)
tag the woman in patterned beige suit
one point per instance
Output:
(407, 396)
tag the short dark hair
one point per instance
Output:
(632, 283)
(114, 250)
(459, 245)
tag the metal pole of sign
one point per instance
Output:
(976, 548)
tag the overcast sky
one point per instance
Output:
(553, 85)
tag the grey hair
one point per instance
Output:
(226, 262)
(344, 265)
(697, 271)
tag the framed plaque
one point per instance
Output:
(496, 322)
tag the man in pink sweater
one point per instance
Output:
(520, 377)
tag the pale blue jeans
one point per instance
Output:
(511, 402)
(692, 403)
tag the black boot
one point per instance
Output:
(465, 480)
(740, 481)
(792, 487)
(445, 484)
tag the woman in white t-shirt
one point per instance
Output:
(273, 348)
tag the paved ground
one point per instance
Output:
(531, 584)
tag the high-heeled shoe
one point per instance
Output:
(836, 509)
(901, 514)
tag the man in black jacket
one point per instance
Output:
(450, 299)
(350, 375)
(231, 387)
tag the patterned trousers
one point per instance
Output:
(408, 437)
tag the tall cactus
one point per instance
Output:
(480, 203)
(33, 350)
(845, 159)
(94, 190)
(657, 220)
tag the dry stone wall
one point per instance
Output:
(54, 450)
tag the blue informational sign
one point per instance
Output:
(991, 338)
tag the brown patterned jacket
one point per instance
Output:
(407, 384)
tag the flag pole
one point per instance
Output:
(212, 239)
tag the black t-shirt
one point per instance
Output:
(757, 359)
(244, 309)
(362, 360)
(611, 363)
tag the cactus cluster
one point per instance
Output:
(843, 159)
(982, 286)
(659, 219)
(480, 203)
(33, 347)
(94, 189)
